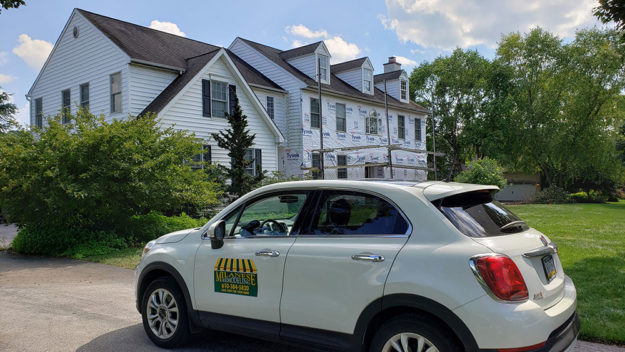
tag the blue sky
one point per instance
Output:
(413, 30)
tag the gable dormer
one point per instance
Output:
(309, 58)
(358, 73)
(396, 80)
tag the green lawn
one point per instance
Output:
(126, 258)
(591, 238)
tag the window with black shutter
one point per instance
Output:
(206, 98)
(39, 112)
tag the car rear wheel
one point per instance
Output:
(414, 333)
(164, 313)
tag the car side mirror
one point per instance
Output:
(216, 232)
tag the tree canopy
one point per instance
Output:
(611, 11)
(7, 110)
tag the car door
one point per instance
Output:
(243, 278)
(340, 260)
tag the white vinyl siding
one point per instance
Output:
(184, 112)
(146, 83)
(279, 106)
(91, 57)
(352, 77)
(306, 64)
(293, 109)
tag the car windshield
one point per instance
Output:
(476, 214)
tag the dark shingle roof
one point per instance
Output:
(300, 51)
(146, 44)
(251, 75)
(389, 76)
(336, 85)
(348, 65)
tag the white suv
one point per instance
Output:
(362, 266)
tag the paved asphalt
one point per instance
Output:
(50, 304)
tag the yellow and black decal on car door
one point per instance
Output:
(236, 276)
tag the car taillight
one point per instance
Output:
(499, 274)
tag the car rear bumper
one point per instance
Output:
(559, 340)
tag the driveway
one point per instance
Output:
(49, 304)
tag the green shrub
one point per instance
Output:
(144, 228)
(591, 197)
(65, 242)
(553, 194)
(91, 174)
(483, 172)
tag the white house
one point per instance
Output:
(123, 70)
(353, 112)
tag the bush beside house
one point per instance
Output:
(100, 184)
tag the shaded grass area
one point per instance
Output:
(125, 258)
(591, 238)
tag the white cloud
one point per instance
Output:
(302, 31)
(340, 49)
(446, 24)
(168, 27)
(6, 78)
(33, 51)
(405, 61)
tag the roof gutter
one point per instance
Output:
(154, 64)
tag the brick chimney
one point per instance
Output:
(392, 65)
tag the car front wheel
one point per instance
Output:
(413, 333)
(164, 313)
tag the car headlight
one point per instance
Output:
(147, 248)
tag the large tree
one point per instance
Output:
(7, 110)
(455, 87)
(237, 140)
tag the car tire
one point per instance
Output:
(418, 332)
(164, 313)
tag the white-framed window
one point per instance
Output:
(401, 127)
(84, 96)
(417, 130)
(404, 89)
(341, 160)
(373, 124)
(324, 67)
(39, 112)
(270, 110)
(66, 104)
(367, 80)
(314, 113)
(116, 92)
(316, 162)
(219, 98)
(341, 121)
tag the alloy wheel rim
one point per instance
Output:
(408, 342)
(162, 313)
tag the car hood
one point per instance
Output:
(175, 236)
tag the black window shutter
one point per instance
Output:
(232, 97)
(207, 153)
(206, 98)
(259, 159)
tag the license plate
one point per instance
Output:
(549, 266)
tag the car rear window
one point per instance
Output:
(476, 214)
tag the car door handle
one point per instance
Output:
(267, 253)
(368, 257)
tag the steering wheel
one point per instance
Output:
(280, 226)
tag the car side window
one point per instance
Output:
(353, 213)
(272, 215)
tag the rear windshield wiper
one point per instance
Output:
(518, 223)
